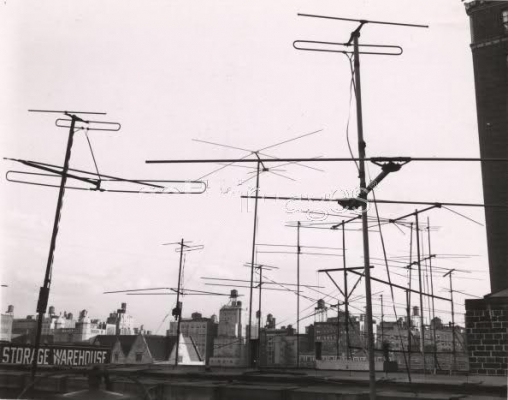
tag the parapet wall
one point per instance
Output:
(487, 335)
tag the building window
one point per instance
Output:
(504, 15)
(139, 357)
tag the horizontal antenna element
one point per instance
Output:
(363, 21)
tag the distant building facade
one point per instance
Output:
(120, 322)
(278, 346)
(57, 328)
(6, 320)
(202, 330)
(229, 347)
(329, 334)
(24, 329)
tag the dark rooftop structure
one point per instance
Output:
(160, 346)
(489, 46)
(126, 341)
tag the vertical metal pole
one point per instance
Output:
(338, 329)
(453, 325)
(408, 316)
(365, 226)
(260, 267)
(422, 326)
(382, 320)
(298, 250)
(409, 296)
(178, 305)
(426, 289)
(44, 290)
(346, 294)
(249, 350)
(432, 293)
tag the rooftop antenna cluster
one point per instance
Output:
(183, 248)
(95, 181)
(352, 48)
(75, 121)
(387, 168)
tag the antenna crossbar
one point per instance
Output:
(363, 21)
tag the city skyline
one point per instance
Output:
(170, 321)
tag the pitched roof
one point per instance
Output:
(160, 346)
(192, 348)
(126, 341)
(29, 338)
(501, 293)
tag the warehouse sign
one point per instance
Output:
(54, 355)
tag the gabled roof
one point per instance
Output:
(160, 346)
(501, 293)
(192, 349)
(29, 338)
(126, 341)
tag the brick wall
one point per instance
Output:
(487, 335)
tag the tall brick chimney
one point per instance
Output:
(489, 37)
(487, 318)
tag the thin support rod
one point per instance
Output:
(253, 255)
(408, 316)
(259, 314)
(454, 365)
(414, 213)
(298, 250)
(382, 319)
(365, 224)
(338, 330)
(426, 287)
(409, 296)
(346, 295)
(44, 290)
(322, 159)
(433, 325)
(422, 327)
(354, 286)
(178, 304)
(335, 283)
(345, 202)
(339, 269)
(399, 286)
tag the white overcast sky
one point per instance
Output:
(225, 71)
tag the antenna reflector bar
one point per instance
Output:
(187, 249)
(89, 125)
(345, 48)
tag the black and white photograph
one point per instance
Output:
(236, 199)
